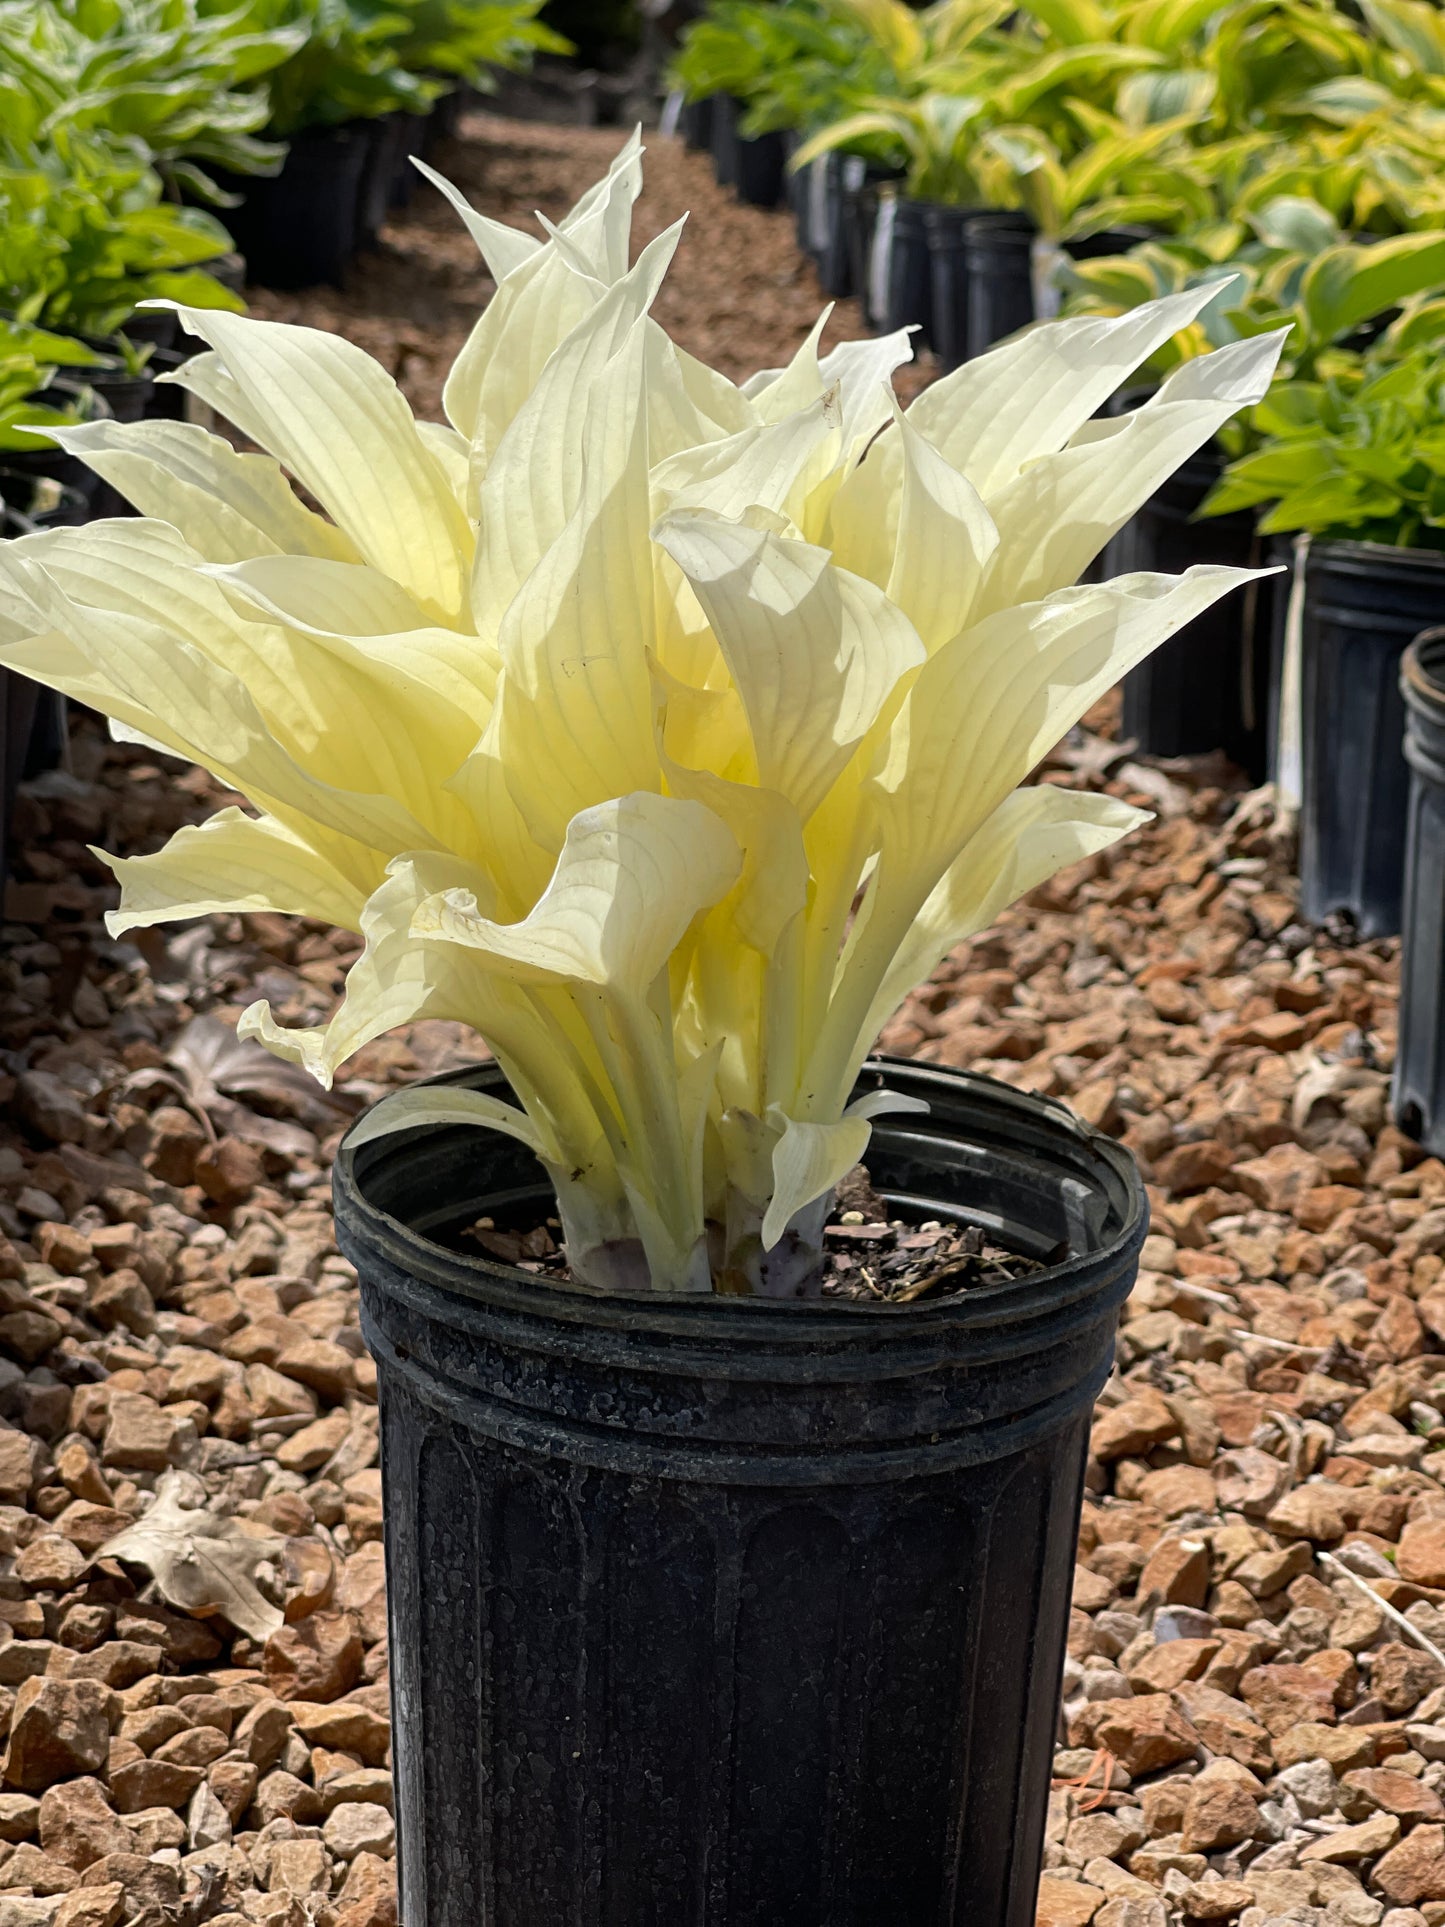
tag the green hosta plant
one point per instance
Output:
(1359, 455)
(86, 236)
(666, 731)
(1296, 271)
(467, 39)
(160, 78)
(1122, 176)
(30, 358)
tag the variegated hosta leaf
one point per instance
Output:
(665, 731)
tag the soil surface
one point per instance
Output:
(1254, 1712)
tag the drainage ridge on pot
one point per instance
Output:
(727, 1610)
(1418, 1093)
(1363, 602)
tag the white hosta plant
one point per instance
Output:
(667, 732)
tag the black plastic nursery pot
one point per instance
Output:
(997, 267)
(724, 138)
(948, 278)
(1418, 1091)
(378, 171)
(861, 184)
(900, 270)
(1363, 603)
(821, 231)
(298, 227)
(410, 141)
(694, 124)
(1207, 687)
(761, 177)
(726, 1611)
(51, 463)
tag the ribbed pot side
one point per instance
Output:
(711, 1612)
(1418, 1095)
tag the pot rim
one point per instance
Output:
(1369, 555)
(1422, 668)
(488, 1281)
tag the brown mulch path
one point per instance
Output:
(1248, 1734)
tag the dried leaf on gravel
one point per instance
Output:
(203, 1563)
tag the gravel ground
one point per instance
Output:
(1254, 1723)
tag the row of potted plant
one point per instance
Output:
(975, 137)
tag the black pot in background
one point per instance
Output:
(730, 1611)
(167, 403)
(725, 111)
(1207, 687)
(410, 140)
(444, 120)
(862, 182)
(1417, 1094)
(299, 227)
(53, 463)
(761, 170)
(948, 278)
(33, 501)
(695, 124)
(998, 270)
(19, 698)
(900, 276)
(378, 171)
(1363, 603)
(820, 220)
(157, 326)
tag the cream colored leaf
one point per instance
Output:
(1030, 836)
(1026, 397)
(814, 652)
(946, 538)
(339, 423)
(574, 722)
(632, 875)
(504, 249)
(230, 506)
(1058, 514)
(808, 1161)
(534, 482)
(410, 1110)
(231, 863)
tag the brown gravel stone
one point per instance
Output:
(228, 1172)
(1146, 1733)
(1176, 1573)
(1414, 1870)
(234, 1784)
(1400, 1676)
(1066, 1903)
(153, 1783)
(1349, 1845)
(78, 1824)
(1282, 1696)
(317, 1659)
(93, 1907)
(1132, 1427)
(1341, 1747)
(344, 1727)
(1218, 1815)
(59, 1728)
(1421, 1553)
(1392, 1792)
